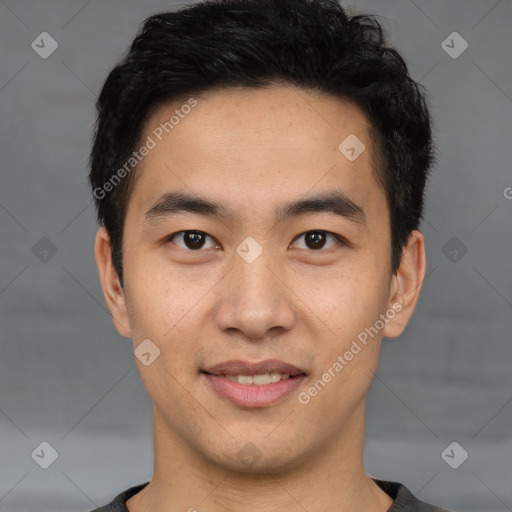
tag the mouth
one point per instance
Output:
(260, 379)
(246, 368)
(254, 385)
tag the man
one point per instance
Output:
(258, 169)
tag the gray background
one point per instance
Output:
(68, 378)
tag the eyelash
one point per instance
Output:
(341, 240)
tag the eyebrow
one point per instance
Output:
(334, 202)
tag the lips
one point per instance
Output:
(239, 367)
(270, 382)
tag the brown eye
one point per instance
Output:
(316, 240)
(191, 239)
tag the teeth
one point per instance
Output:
(258, 380)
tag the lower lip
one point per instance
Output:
(253, 395)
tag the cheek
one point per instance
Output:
(166, 308)
(352, 297)
(157, 299)
(349, 352)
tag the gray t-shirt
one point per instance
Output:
(403, 499)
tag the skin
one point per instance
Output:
(251, 151)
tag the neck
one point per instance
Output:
(331, 478)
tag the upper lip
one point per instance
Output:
(239, 367)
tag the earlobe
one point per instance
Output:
(112, 290)
(406, 285)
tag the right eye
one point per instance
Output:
(191, 239)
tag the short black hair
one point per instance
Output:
(311, 44)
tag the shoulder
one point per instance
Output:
(118, 504)
(405, 500)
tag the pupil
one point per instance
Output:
(194, 240)
(317, 238)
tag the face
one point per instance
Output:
(277, 262)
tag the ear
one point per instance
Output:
(112, 290)
(406, 285)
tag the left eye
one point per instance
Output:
(315, 240)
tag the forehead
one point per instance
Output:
(249, 146)
(257, 116)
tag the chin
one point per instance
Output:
(257, 456)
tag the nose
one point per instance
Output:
(255, 300)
